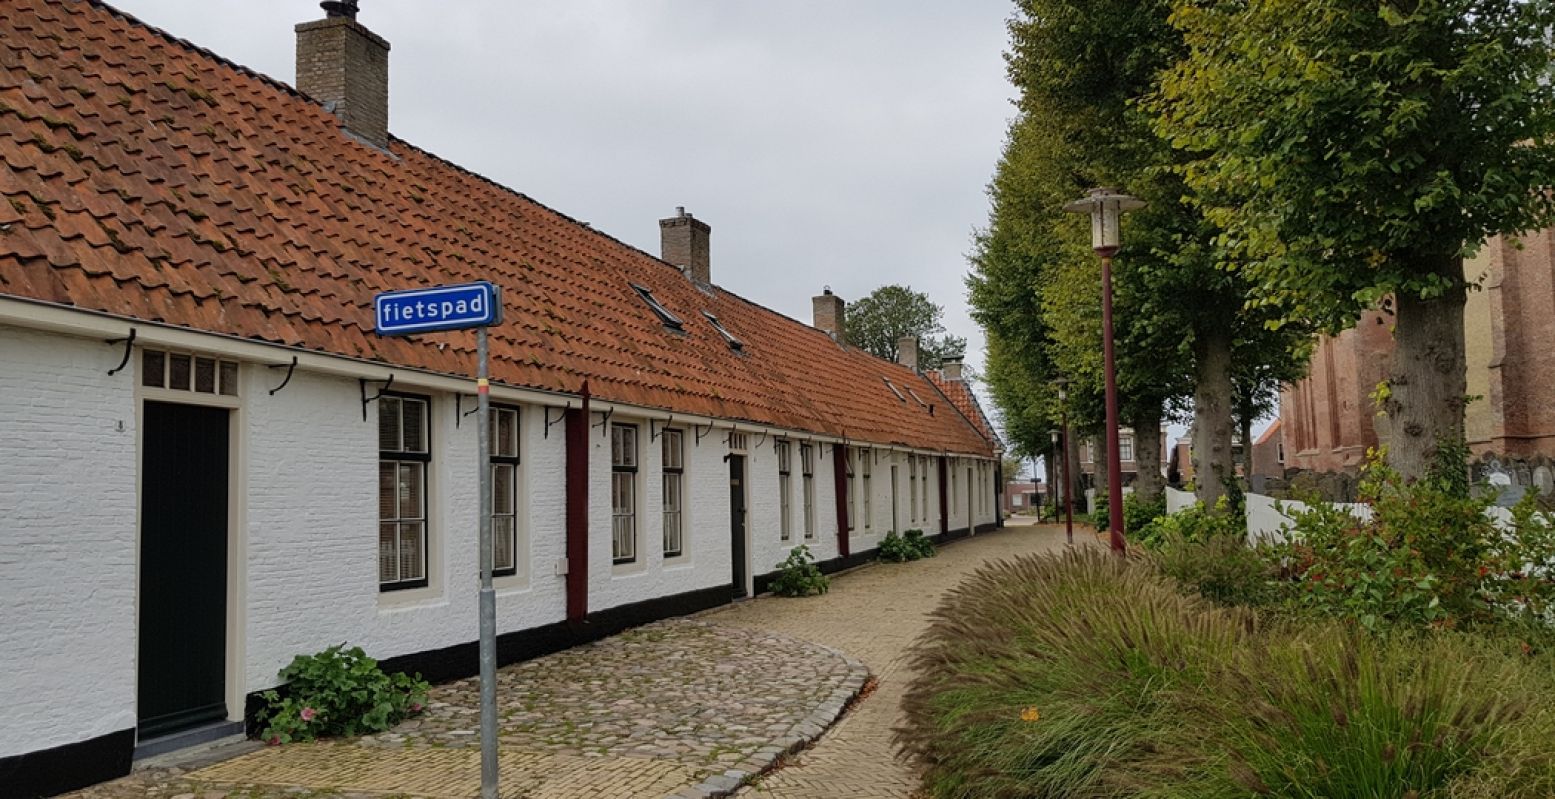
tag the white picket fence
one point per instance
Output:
(1268, 518)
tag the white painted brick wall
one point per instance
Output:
(67, 552)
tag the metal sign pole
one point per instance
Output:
(488, 597)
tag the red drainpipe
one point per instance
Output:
(577, 477)
(840, 484)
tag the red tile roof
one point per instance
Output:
(960, 394)
(148, 178)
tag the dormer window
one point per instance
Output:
(734, 343)
(892, 386)
(670, 320)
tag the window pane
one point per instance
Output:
(628, 446)
(410, 488)
(503, 546)
(229, 378)
(153, 369)
(415, 413)
(389, 424)
(502, 487)
(178, 372)
(205, 375)
(504, 432)
(388, 548)
(388, 506)
(411, 555)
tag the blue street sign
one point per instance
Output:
(476, 304)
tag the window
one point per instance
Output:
(954, 494)
(923, 474)
(674, 492)
(847, 484)
(670, 320)
(184, 372)
(912, 487)
(867, 456)
(1126, 448)
(403, 456)
(892, 386)
(504, 490)
(734, 343)
(623, 493)
(917, 398)
(785, 513)
(807, 468)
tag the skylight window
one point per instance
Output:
(918, 398)
(734, 343)
(670, 320)
(894, 390)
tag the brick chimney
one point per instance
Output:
(830, 314)
(346, 67)
(684, 242)
(950, 368)
(907, 352)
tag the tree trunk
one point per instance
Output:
(1426, 380)
(1099, 460)
(1212, 396)
(1246, 420)
(1147, 457)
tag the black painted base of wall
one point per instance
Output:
(67, 768)
(834, 565)
(463, 660)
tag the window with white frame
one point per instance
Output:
(807, 476)
(785, 510)
(912, 488)
(1126, 448)
(623, 493)
(847, 484)
(181, 371)
(674, 467)
(504, 490)
(954, 494)
(867, 457)
(403, 457)
(923, 474)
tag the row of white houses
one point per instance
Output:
(209, 464)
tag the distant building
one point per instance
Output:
(1126, 440)
(1023, 496)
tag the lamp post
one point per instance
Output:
(1106, 206)
(1063, 414)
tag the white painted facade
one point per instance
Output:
(303, 540)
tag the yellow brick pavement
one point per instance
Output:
(872, 614)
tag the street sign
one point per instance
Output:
(397, 313)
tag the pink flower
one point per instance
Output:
(415, 707)
(275, 741)
(308, 713)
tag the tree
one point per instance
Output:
(1353, 150)
(877, 322)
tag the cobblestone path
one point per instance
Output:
(872, 614)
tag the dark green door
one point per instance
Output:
(181, 670)
(737, 521)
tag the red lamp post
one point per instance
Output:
(1106, 206)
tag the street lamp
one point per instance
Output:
(1106, 206)
(1063, 458)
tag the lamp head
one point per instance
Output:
(1106, 205)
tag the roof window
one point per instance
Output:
(894, 390)
(734, 343)
(917, 398)
(670, 320)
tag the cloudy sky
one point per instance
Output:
(828, 143)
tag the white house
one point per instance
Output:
(209, 463)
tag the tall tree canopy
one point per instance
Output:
(1351, 150)
(878, 321)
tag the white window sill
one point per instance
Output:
(411, 599)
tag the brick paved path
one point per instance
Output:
(678, 708)
(873, 614)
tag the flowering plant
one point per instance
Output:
(338, 691)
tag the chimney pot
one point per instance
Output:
(907, 352)
(950, 367)
(830, 314)
(686, 242)
(345, 67)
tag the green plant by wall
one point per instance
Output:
(339, 691)
(1195, 524)
(1137, 514)
(911, 545)
(799, 576)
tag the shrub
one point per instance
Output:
(339, 692)
(1195, 524)
(1137, 514)
(1427, 556)
(799, 576)
(911, 545)
(1218, 566)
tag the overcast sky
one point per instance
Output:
(828, 143)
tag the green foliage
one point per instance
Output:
(1195, 524)
(879, 320)
(336, 692)
(1217, 564)
(1137, 513)
(911, 545)
(1428, 556)
(1086, 675)
(799, 576)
